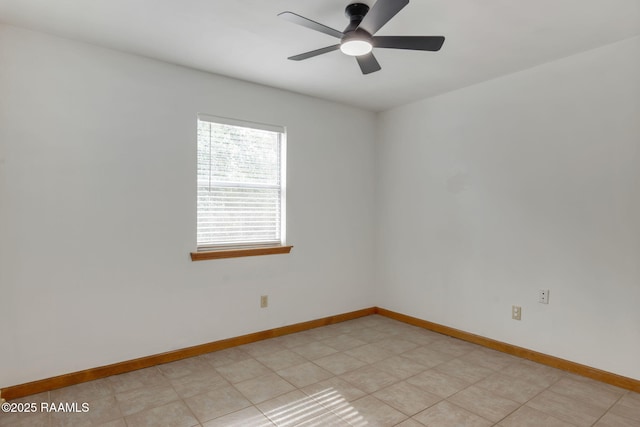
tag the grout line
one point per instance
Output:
(610, 407)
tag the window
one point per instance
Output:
(241, 185)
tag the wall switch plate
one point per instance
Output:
(516, 312)
(264, 301)
(543, 296)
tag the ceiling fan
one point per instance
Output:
(358, 38)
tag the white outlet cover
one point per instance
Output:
(516, 312)
(543, 296)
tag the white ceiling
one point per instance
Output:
(245, 39)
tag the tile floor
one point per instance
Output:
(371, 371)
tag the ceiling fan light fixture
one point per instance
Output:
(355, 47)
(359, 37)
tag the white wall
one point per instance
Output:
(490, 193)
(482, 197)
(97, 209)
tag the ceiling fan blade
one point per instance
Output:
(381, 12)
(313, 53)
(305, 22)
(368, 63)
(431, 43)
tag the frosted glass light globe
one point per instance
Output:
(356, 47)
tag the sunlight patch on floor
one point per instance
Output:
(316, 409)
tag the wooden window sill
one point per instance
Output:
(236, 253)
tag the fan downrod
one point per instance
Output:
(355, 12)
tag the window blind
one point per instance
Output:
(240, 171)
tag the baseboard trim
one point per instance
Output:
(545, 359)
(39, 386)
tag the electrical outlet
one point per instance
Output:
(264, 301)
(543, 296)
(516, 312)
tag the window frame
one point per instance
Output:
(241, 249)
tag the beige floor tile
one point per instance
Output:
(33, 398)
(337, 328)
(291, 409)
(589, 391)
(102, 410)
(529, 417)
(357, 324)
(427, 356)
(145, 398)
(445, 414)
(395, 345)
(533, 372)
(339, 363)
(69, 419)
(438, 383)
(334, 392)
(320, 334)
(371, 335)
(484, 403)
(393, 328)
(489, 359)
(147, 377)
(386, 321)
(407, 398)
(601, 385)
(613, 420)
(369, 379)
(369, 353)
(631, 399)
(83, 392)
(400, 367)
(305, 374)
(264, 388)
(371, 412)
(369, 321)
(419, 336)
(564, 408)
(262, 348)
(325, 420)
(243, 370)
(628, 406)
(510, 387)
(314, 350)
(627, 412)
(464, 370)
(23, 418)
(410, 423)
(217, 403)
(434, 335)
(343, 342)
(115, 423)
(248, 417)
(225, 357)
(453, 347)
(193, 385)
(184, 367)
(294, 340)
(281, 360)
(17, 419)
(175, 414)
(347, 328)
